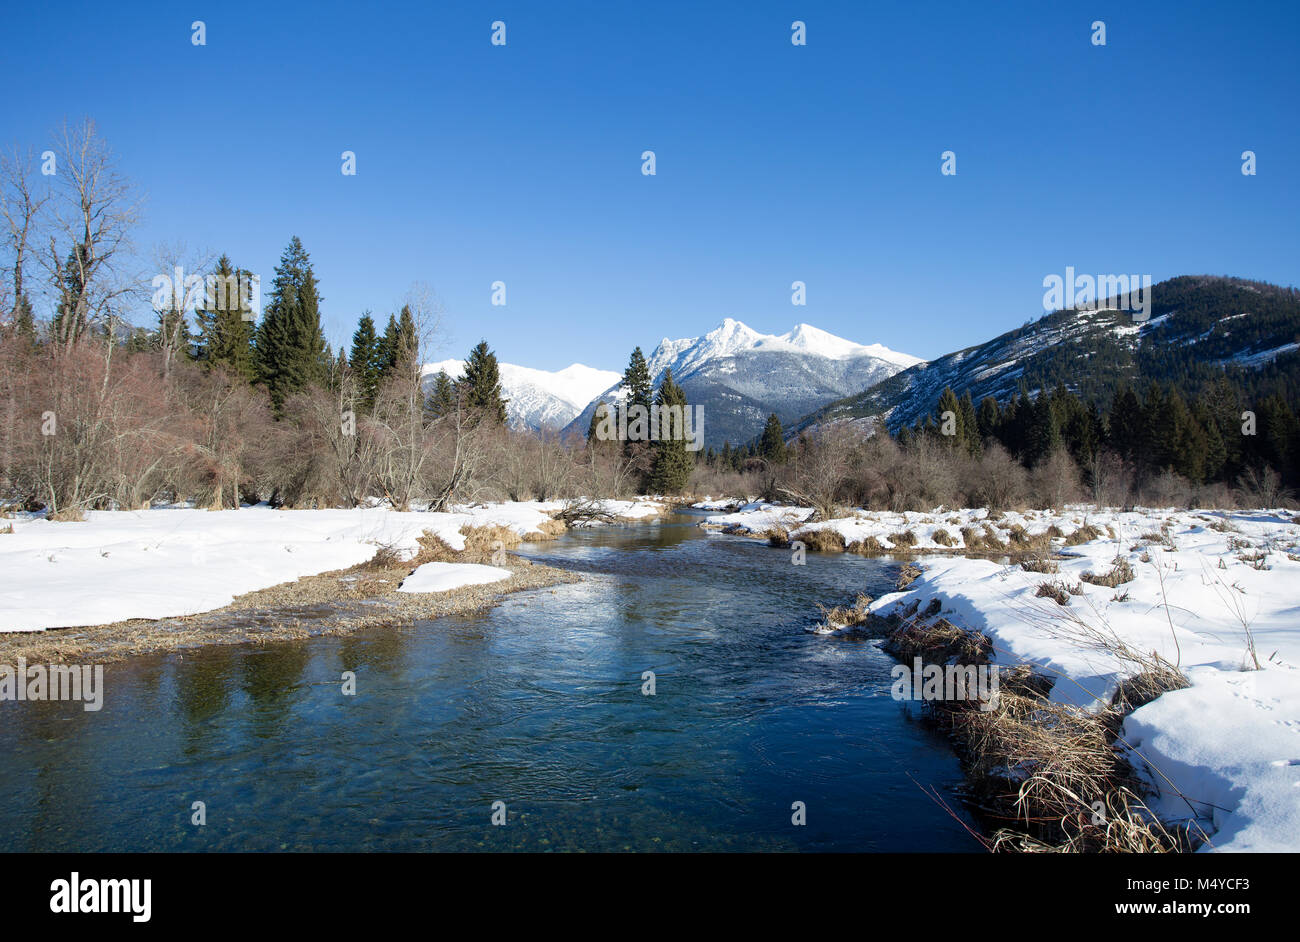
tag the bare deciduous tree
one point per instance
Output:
(22, 203)
(89, 246)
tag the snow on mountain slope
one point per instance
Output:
(811, 339)
(732, 337)
(538, 398)
(741, 376)
(1196, 321)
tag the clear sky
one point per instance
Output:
(775, 163)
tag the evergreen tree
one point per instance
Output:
(481, 384)
(772, 443)
(672, 461)
(290, 345)
(364, 360)
(636, 378)
(989, 418)
(968, 424)
(24, 324)
(389, 347)
(225, 336)
(442, 397)
(948, 418)
(1126, 425)
(408, 344)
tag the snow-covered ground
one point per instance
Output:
(758, 517)
(443, 577)
(169, 562)
(1229, 743)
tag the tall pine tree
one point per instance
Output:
(364, 360)
(225, 329)
(772, 444)
(481, 384)
(290, 345)
(672, 461)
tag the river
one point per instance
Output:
(537, 704)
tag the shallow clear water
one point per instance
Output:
(537, 703)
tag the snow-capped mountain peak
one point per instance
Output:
(539, 398)
(741, 376)
(732, 337)
(811, 339)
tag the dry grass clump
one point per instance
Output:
(1140, 689)
(943, 538)
(1120, 572)
(778, 537)
(386, 556)
(938, 643)
(432, 550)
(482, 542)
(903, 538)
(1047, 776)
(1054, 591)
(982, 539)
(867, 546)
(847, 616)
(1022, 540)
(546, 530)
(1085, 534)
(67, 515)
(1255, 560)
(823, 540)
(1118, 823)
(1053, 770)
(906, 576)
(1040, 563)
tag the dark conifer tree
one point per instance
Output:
(364, 360)
(290, 345)
(772, 444)
(481, 384)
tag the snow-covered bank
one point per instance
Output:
(443, 577)
(1204, 584)
(910, 531)
(169, 562)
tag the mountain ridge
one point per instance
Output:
(741, 376)
(1199, 325)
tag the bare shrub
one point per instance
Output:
(1055, 480)
(1261, 488)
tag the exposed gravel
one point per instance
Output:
(331, 603)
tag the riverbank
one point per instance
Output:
(124, 583)
(1206, 602)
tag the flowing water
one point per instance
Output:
(537, 703)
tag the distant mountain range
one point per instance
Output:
(1199, 326)
(741, 376)
(539, 399)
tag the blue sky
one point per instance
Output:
(775, 163)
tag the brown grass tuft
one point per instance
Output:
(1120, 572)
(906, 576)
(903, 538)
(869, 546)
(847, 616)
(822, 540)
(1085, 534)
